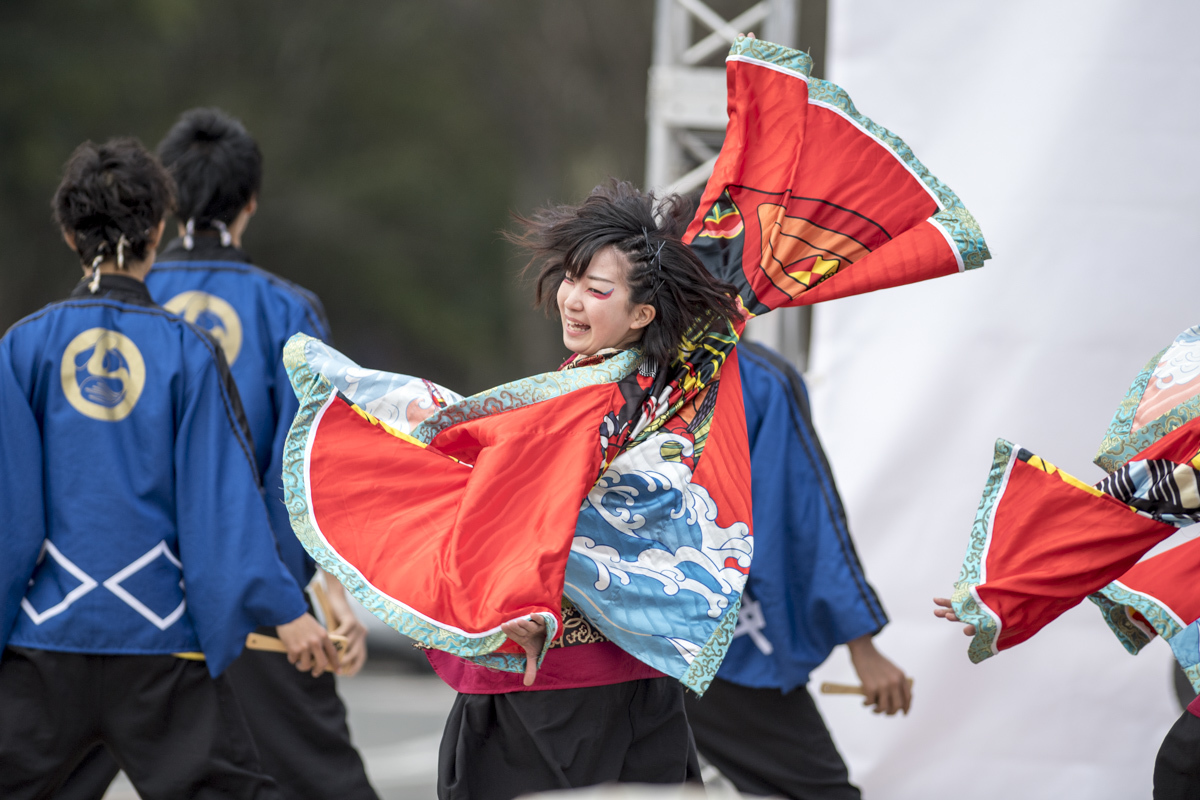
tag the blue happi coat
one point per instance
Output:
(133, 520)
(807, 592)
(251, 313)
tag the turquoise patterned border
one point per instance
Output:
(967, 235)
(704, 666)
(966, 607)
(1193, 675)
(527, 391)
(1186, 646)
(1120, 444)
(776, 55)
(1159, 618)
(314, 392)
(295, 361)
(1131, 637)
(954, 218)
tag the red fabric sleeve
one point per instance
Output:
(468, 544)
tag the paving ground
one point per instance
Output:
(396, 721)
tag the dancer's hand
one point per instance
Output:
(308, 645)
(345, 623)
(884, 684)
(946, 612)
(530, 633)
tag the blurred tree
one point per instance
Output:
(398, 137)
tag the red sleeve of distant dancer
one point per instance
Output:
(1170, 577)
(1052, 545)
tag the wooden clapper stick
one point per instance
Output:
(845, 688)
(271, 644)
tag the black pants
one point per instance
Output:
(175, 730)
(500, 746)
(769, 743)
(1177, 768)
(298, 723)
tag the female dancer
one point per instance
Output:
(606, 506)
(618, 281)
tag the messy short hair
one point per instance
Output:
(664, 272)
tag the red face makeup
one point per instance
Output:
(590, 321)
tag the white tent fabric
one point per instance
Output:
(1070, 131)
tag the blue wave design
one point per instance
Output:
(648, 565)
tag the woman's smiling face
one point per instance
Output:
(595, 307)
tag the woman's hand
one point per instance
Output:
(884, 684)
(530, 633)
(945, 610)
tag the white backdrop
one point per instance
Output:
(1070, 131)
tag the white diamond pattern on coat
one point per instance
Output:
(113, 584)
(86, 584)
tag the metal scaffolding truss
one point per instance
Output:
(686, 97)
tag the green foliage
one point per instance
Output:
(398, 137)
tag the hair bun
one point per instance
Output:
(209, 133)
(216, 165)
(109, 192)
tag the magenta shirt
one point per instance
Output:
(1194, 706)
(575, 667)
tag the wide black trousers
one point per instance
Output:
(500, 746)
(1177, 768)
(769, 743)
(298, 723)
(175, 730)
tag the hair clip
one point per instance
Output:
(189, 231)
(651, 253)
(226, 236)
(94, 286)
(121, 251)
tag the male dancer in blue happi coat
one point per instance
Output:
(297, 718)
(137, 552)
(806, 594)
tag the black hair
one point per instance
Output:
(664, 273)
(112, 191)
(216, 165)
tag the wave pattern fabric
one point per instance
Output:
(662, 524)
(1044, 540)
(623, 486)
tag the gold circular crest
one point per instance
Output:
(103, 374)
(214, 315)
